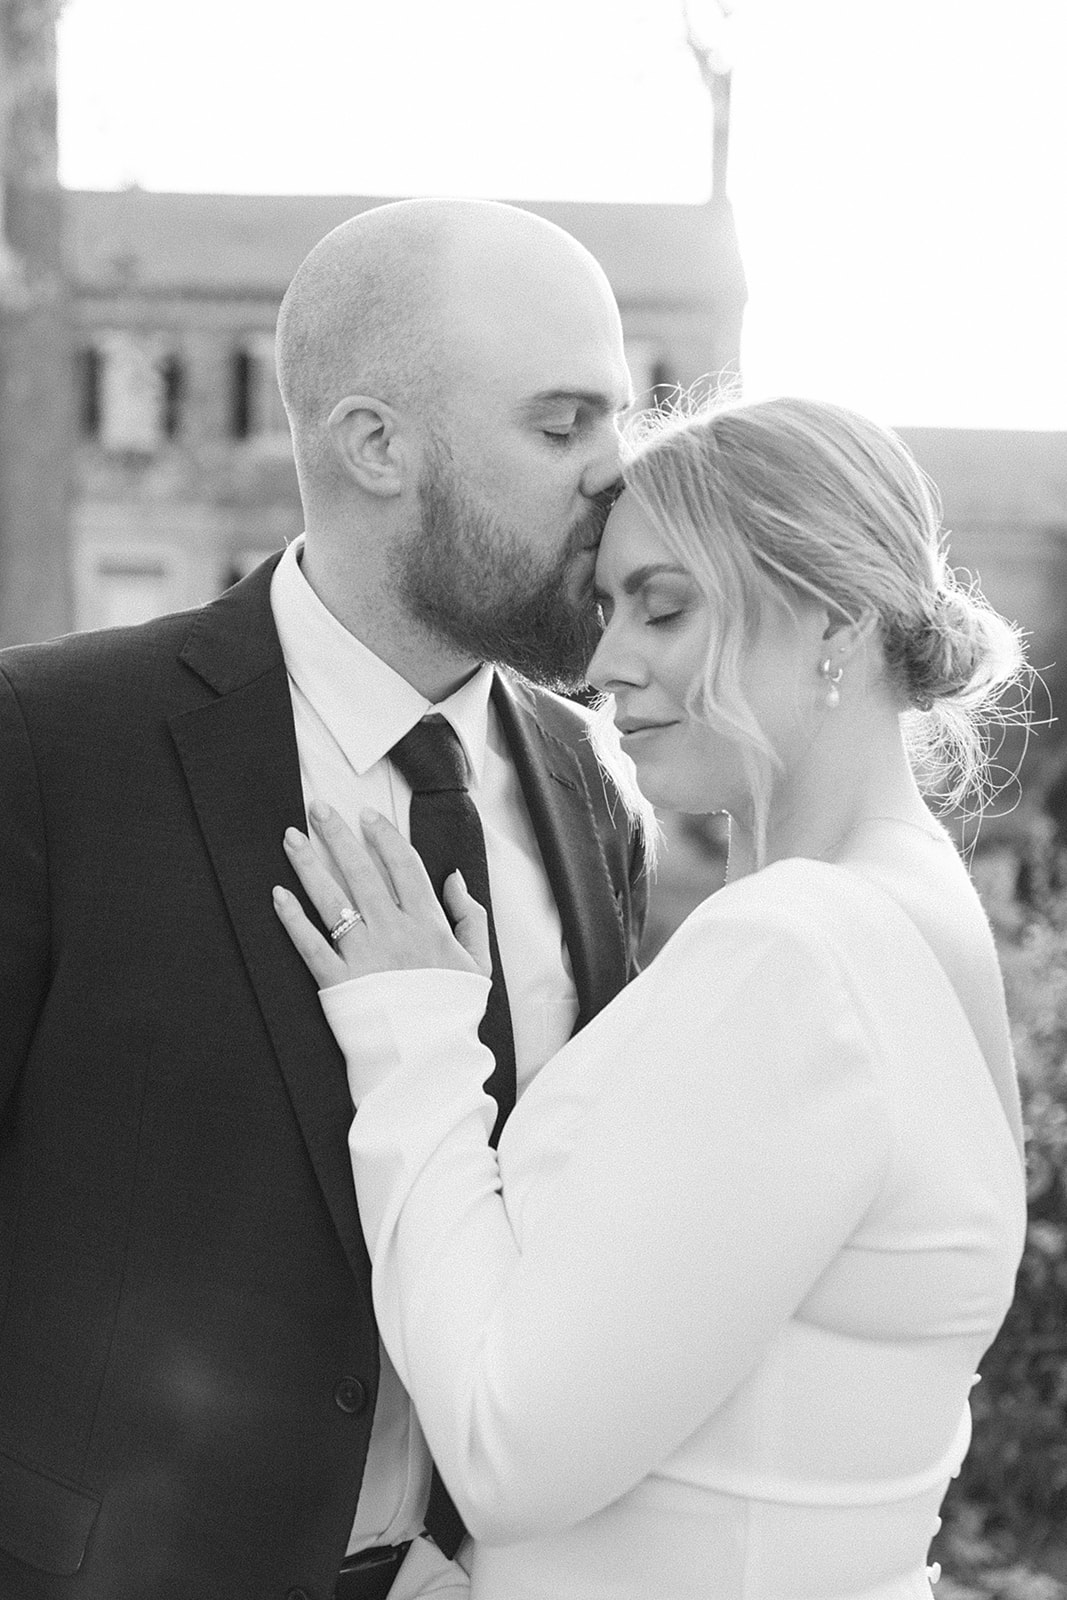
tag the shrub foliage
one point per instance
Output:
(1015, 1475)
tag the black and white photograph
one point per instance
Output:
(533, 800)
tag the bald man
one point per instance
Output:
(192, 1396)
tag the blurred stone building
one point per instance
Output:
(1005, 511)
(144, 459)
(35, 389)
(183, 471)
(183, 474)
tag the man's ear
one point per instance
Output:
(367, 440)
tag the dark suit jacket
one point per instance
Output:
(188, 1358)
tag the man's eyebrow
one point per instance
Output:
(635, 581)
(598, 402)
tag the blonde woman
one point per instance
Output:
(705, 1323)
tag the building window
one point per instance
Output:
(240, 394)
(172, 396)
(650, 374)
(131, 391)
(120, 581)
(640, 356)
(130, 590)
(256, 410)
(664, 384)
(240, 564)
(132, 410)
(88, 377)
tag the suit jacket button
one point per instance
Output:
(298, 1594)
(350, 1396)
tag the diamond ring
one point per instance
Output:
(348, 919)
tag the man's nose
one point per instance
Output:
(601, 475)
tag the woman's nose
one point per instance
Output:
(613, 666)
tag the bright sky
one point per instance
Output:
(898, 167)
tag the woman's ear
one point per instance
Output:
(845, 638)
(366, 437)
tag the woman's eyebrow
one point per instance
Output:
(635, 581)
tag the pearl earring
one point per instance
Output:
(833, 676)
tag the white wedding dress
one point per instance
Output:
(759, 1221)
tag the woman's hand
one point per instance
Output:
(395, 920)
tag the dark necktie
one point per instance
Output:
(447, 832)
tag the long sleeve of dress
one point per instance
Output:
(737, 1135)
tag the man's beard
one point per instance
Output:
(473, 582)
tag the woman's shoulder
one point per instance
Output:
(791, 928)
(808, 899)
(796, 900)
(870, 933)
(811, 922)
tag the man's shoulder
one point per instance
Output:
(134, 655)
(563, 718)
(95, 656)
(572, 724)
(566, 723)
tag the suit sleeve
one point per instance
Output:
(24, 924)
(734, 1146)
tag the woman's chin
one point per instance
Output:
(654, 789)
(671, 794)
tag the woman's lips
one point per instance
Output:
(630, 730)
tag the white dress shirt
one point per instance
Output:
(349, 709)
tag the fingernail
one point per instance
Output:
(293, 837)
(279, 894)
(369, 816)
(462, 879)
(319, 811)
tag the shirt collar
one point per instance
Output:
(364, 703)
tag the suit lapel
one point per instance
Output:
(563, 821)
(239, 755)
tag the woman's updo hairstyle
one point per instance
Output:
(954, 652)
(770, 500)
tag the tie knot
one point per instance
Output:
(430, 757)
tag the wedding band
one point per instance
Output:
(349, 919)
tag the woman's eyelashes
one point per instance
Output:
(659, 617)
(666, 605)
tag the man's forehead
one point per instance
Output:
(533, 380)
(558, 335)
(534, 356)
